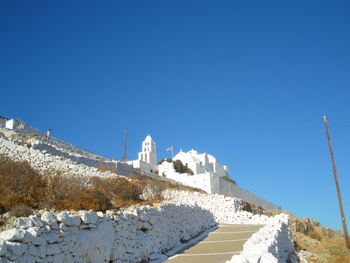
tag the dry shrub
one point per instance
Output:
(105, 168)
(21, 211)
(86, 200)
(10, 201)
(61, 187)
(20, 184)
(119, 190)
(153, 187)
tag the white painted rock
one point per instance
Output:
(88, 217)
(29, 238)
(51, 237)
(35, 231)
(23, 222)
(37, 221)
(3, 247)
(37, 251)
(13, 234)
(96, 245)
(53, 249)
(68, 219)
(17, 249)
(49, 218)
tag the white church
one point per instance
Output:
(207, 170)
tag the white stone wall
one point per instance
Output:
(136, 233)
(131, 236)
(213, 184)
(201, 181)
(273, 243)
(227, 188)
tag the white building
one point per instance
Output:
(207, 171)
(18, 126)
(201, 163)
(147, 158)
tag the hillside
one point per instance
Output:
(39, 175)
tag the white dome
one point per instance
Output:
(148, 138)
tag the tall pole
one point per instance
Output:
(125, 141)
(347, 241)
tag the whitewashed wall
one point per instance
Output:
(230, 189)
(213, 184)
(133, 235)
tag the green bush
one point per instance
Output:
(165, 160)
(180, 168)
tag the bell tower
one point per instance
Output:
(148, 153)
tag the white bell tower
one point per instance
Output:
(149, 152)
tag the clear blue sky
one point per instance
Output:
(246, 81)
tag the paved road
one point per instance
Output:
(219, 246)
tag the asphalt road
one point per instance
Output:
(219, 246)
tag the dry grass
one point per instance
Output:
(328, 248)
(119, 191)
(105, 168)
(22, 187)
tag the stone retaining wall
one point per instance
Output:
(131, 235)
(273, 243)
(134, 235)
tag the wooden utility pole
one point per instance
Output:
(125, 141)
(347, 241)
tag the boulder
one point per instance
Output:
(68, 219)
(88, 217)
(13, 234)
(49, 218)
(37, 221)
(15, 248)
(23, 222)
